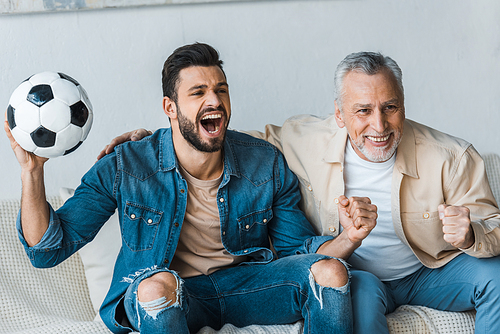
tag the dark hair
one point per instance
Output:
(197, 54)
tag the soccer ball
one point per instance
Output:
(49, 114)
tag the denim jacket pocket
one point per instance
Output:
(253, 228)
(139, 226)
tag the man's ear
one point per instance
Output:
(339, 118)
(169, 107)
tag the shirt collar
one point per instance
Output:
(168, 159)
(406, 159)
(336, 147)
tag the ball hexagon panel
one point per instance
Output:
(43, 137)
(79, 114)
(24, 139)
(69, 137)
(43, 78)
(73, 148)
(85, 97)
(27, 116)
(55, 115)
(40, 94)
(49, 152)
(67, 77)
(65, 91)
(87, 126)
(20, 93)
(11, 113)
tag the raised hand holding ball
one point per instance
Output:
(49, 114)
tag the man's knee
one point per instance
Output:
(330, 273)
(162, 284)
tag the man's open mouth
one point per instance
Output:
(211, 123)
(379, 139)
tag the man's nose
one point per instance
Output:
(379, 121)
(212, 99)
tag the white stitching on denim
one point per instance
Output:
(131, 277)
(319, 296)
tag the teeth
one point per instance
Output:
(378, 139)
(215, 131)
(213, 116)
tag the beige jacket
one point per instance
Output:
(431, 168)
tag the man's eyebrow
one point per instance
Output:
(369, 105)
(391, 101)
(197, 87)
(362, 106)
(220, 84)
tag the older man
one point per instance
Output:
(410, 207)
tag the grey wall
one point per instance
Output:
(279, 58)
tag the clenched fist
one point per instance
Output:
(358, 217)
(457, 228)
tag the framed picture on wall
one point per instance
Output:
(33, 6)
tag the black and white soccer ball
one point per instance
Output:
(49, 114)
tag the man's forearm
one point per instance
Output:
(340, 247)
(34, 208)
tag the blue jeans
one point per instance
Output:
(280, 292)
(465, 283)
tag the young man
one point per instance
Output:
(431, 223)
(198, 207)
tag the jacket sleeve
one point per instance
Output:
(77, 222)
(291, 233)
(469, 187)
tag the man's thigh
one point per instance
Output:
(453, 287)
(251, 293)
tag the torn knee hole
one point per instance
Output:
(160, 285)
(330, 273)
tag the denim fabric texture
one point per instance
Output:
(465, 283)
(280, 292)
(257, 200)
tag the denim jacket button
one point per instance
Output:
(332, 229)
(221, 200)
(247, 226)
(176, 224)
(264, 220)
(245, 251)
(132, 216)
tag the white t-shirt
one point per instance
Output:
(382, 253)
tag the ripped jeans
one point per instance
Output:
(280, 292)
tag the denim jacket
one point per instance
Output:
(257, 201)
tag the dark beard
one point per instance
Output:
(189, 131)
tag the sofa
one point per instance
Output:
(65, 299)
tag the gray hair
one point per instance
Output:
(369, 63)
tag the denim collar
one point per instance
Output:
(168, 159)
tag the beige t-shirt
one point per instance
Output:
(200, 250)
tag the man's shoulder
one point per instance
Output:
(148, 151)
(428, 136)
(237, 138)
(307, 122)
